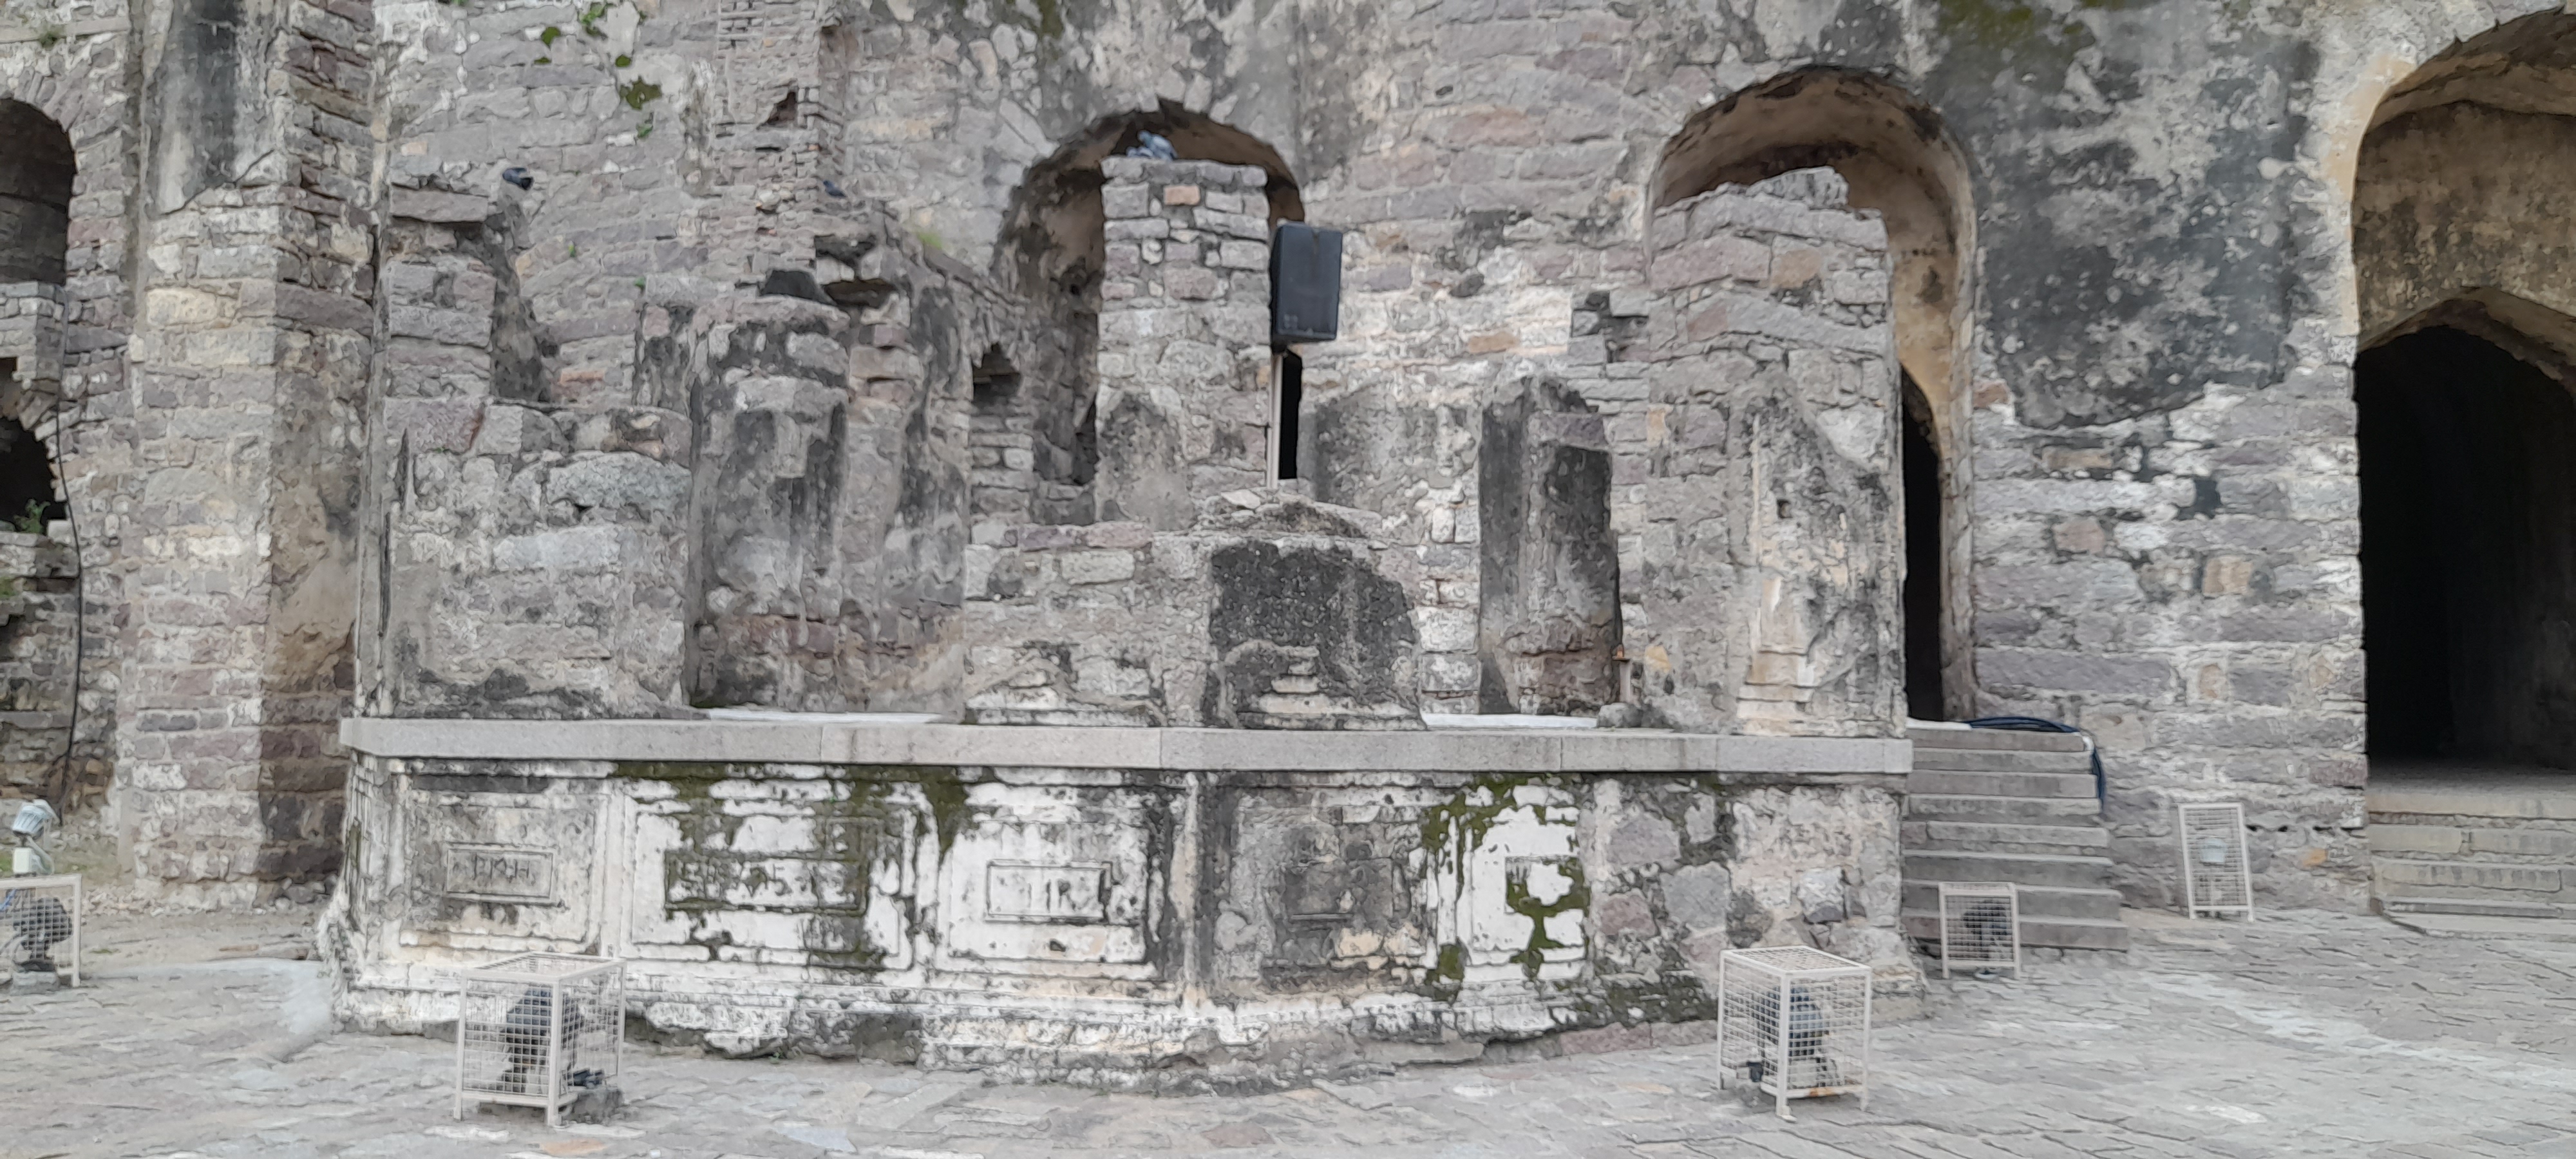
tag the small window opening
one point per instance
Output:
(996, 382)
(783, 116)
(1292, 399)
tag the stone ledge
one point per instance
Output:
(843, 741)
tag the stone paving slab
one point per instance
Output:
(2301, 1034)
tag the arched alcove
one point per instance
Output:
(36, 169)
(2465, 277)
(1052, 243)
(1898, 159)
(1053, 251)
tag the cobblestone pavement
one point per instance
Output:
(2304, 1034)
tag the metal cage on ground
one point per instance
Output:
(40, 927)
(2215, 877)
(1980, 926)
(539, 1030)
(1794, 1022)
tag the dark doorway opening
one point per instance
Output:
(1292, 399)
(2468, 566)
(27, 500)
(1922, 596)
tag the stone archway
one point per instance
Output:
(2465, 281)
(2467, 294)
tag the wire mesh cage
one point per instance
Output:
(2215, 877)
(40, 929)
(1980, 926)
(1794, 1022)
(540, 1030)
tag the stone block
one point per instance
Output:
(2470, 875)
(1098, 566)
(1122, 199)
(2555, 843)
(2441, 839)
(1192, 283)
(1697, 897)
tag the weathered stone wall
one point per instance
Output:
(1155, 926)
(2150, 339)
(37, 651)
(250, 360)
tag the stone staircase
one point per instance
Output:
(2494, 850)
(1990, 805)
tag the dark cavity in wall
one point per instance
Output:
(2468, 495)
(1548, 625)
(35, 195)
(1923, 596)
(1292, 401)
(26, 479)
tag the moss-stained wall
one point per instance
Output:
(1125, 928)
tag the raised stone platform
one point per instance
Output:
(1125, 907)
(2473, 840)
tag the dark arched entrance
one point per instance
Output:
(2468, 556)
(1924, 594)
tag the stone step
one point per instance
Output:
(2487, 907)
(2485, 926)
(2083, 810)
(2056, 870)
(1995, 739)
(2401, 876)
(2059, 933)
(2473, 843)
(2001, 761)
(1949, 783)
(2036, 902)
(1995, 837)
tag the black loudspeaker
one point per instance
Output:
(1305, 284)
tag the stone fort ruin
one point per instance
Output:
(776, 491)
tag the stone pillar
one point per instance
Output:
(249, 361)
(1762, 587)
(1184, 338)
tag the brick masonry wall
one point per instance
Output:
(1760, 538)
(1184, 338)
